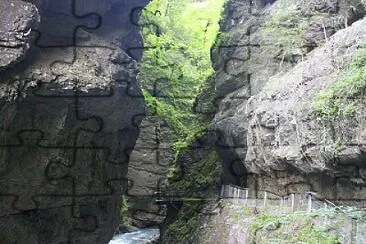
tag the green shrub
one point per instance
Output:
(262, 220)
(283, 34)
(341, 98)
(311, 235)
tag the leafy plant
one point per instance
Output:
(199, 176)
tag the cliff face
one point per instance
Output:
(290, 119)
(70, 112)
(271, 64)
(286, 137)
(148, 168)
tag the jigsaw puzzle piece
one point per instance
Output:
(57, 225)
(146, 173)
(75, 117)
(230, 58)
(63, 167)
(61, 22)
(64, 122)
(148, 166)
(144, 208)
(25, 154)
(130, 89)
(150, 158)
(72, 28)
(133, 45)
(84, 183)
(102, 195)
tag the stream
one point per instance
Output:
(137, 237)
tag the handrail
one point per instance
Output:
(230, 191)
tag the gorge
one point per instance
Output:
(128, 115)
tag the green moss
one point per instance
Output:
(338, 145)
(175, 70)
(222, 37)
(263, 220)
(341, 98)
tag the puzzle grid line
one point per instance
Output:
(20, 135)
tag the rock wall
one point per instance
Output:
(148, 169)
(256, 45)
(116, 20)
(70, 116)
(285, 151)
(286, 135)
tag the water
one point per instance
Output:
(138, 237)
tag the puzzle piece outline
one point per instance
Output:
(129, 51)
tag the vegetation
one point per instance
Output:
(177, 64)
(342, 97)
(124, 213)
(198, 177)
(284, 32)
(174, 71)
(244, 212)
(293, 228)
(198, 180)
(321, 226)
(285, 29)
(186, 222)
